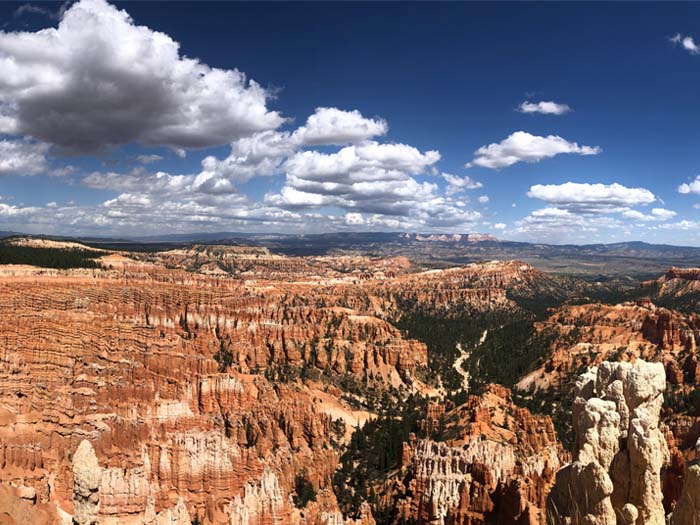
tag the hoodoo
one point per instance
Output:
(616, 475)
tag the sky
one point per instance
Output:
(541, 122)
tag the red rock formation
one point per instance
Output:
(496, 467)
(125, 358)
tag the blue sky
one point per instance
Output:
(106, 124)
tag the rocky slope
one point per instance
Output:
(584, 335)
(589, 335)
(678, 288)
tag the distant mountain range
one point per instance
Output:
(635, 258)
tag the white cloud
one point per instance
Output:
(696, 206)
(578, 212)
(591, 198)
(374, 183)
(544, 107)
(691, 187)
(657, 214)
(456, 184)
(368, 177)
(263, 153)
(555, 224)
(333, 126)
(21, 157)
(99, 80)
(521, 146)
(499, 226)
(681, 225)
(687, 42)
(483, 199)
(663, 214)
(148, 159)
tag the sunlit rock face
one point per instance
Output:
(496, 467)
(87, 477)
(616, 475)
(125, 359)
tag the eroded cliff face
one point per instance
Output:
(128, 365)
(586, 335)
(204, 395)
(496, 466)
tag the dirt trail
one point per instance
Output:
(463, 355)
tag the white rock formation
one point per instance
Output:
(616, 477)
(87, 476)
(259, 500)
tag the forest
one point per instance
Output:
(60, 258)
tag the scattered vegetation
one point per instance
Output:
(508, 352)
(511, 347)
(303, 490)
(681, 401)
(558, 408)
(224, 356)
(375, 450)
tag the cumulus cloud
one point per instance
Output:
(456, 184)
(21, 157)
(544, 107)
(375, 185)
(100, 80)
(483, 199)
(262, 153)
(690, 187)
(333, 126)
(687, 42)
(499, 226)
(521, 146)
(365, 184)
(368, 177)
(578, 211)
(592, 198)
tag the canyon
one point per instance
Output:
(233, 385)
